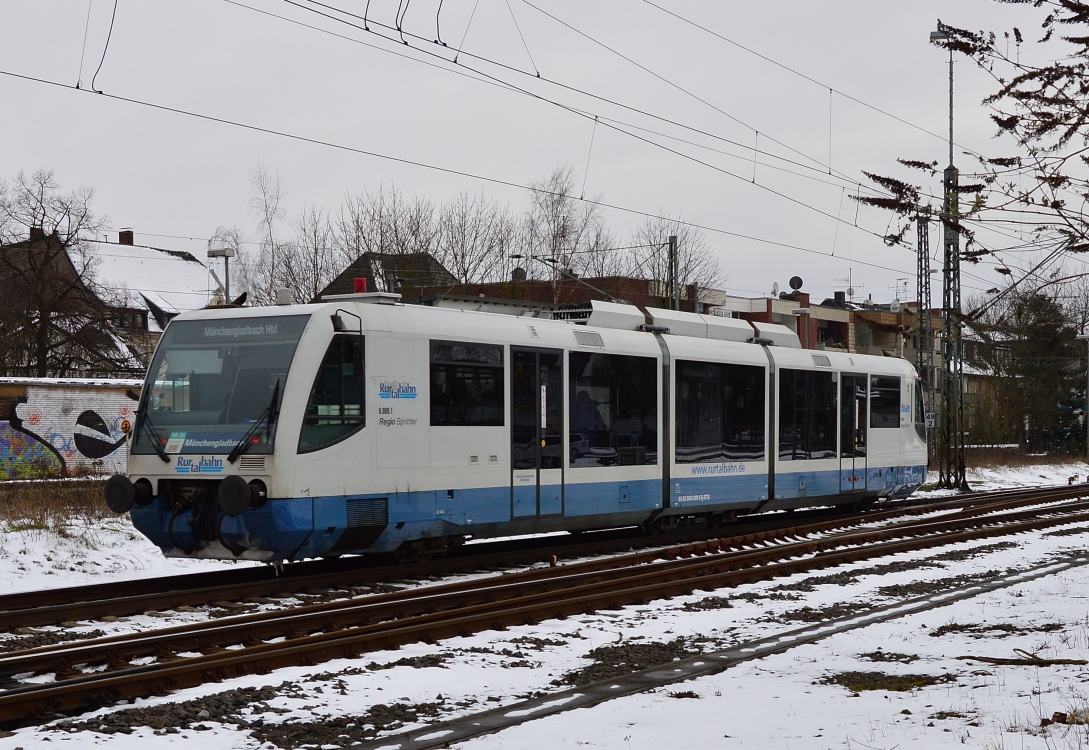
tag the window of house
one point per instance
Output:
(613, 409)
(336, 406)
(466, 384)
(807, 415)
(720, 412)
(884, 402)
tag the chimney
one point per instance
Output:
(37, 234)
(841, 299)
(124, 237)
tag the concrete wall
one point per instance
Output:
(64, 427)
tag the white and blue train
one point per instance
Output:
(362, 425)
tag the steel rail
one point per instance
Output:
(94, 601)
(344, 613)
(72, 604)
(638, 584)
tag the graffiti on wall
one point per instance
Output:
(55, 430)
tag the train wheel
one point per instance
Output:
(414, 552)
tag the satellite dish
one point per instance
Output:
(775, 289)
(850, 291)
(795, 282)
(895, 306)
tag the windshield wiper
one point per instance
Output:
(267, 419)
(156, 441)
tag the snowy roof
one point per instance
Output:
(172, 280)
(75, 382)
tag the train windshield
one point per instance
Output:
(214, 382)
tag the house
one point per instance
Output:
(90, 308)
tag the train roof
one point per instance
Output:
(600, 325)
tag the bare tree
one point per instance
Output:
(696, 266)
(266, 203)
(384, 222)
(475, 238)
(560, 227)
(53, 317)
(310, 261)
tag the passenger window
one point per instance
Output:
(720, 412)
(614, 410)
(884, 402)
(336, 406)
(807, 415)
(466, 384)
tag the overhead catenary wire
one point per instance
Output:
(800, 74)
(519, 71)
(523, 38)
(589, 152)
(587, 115)
(106, 47)
(422, 165)
(465, 71)
(83, 52)
(669, 82)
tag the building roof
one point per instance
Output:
(391, 273)
(172, 280)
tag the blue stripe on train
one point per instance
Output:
(312, 527)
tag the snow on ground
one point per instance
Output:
(109, 550)
(790, 700)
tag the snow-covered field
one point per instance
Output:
(834, 693)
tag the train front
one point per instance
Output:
(201, 462)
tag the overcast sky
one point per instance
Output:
(165, 173)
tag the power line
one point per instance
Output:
(586, 115)
(423, 165)
(109, 36)
(499, 83)
(545, 79)
(83, 53)
(798, 73)
(668, 82)
(503, 84)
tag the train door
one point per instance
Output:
(537, 457)
(852, 432)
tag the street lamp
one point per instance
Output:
(941, 35)
(226, 253)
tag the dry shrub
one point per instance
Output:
(51, 505)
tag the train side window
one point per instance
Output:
(720, 412)
(807, 415)
(884, 401)
(613, 409)
(466, 384)
(336, 406)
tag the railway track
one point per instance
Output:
(347, 575)
(93, 673)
